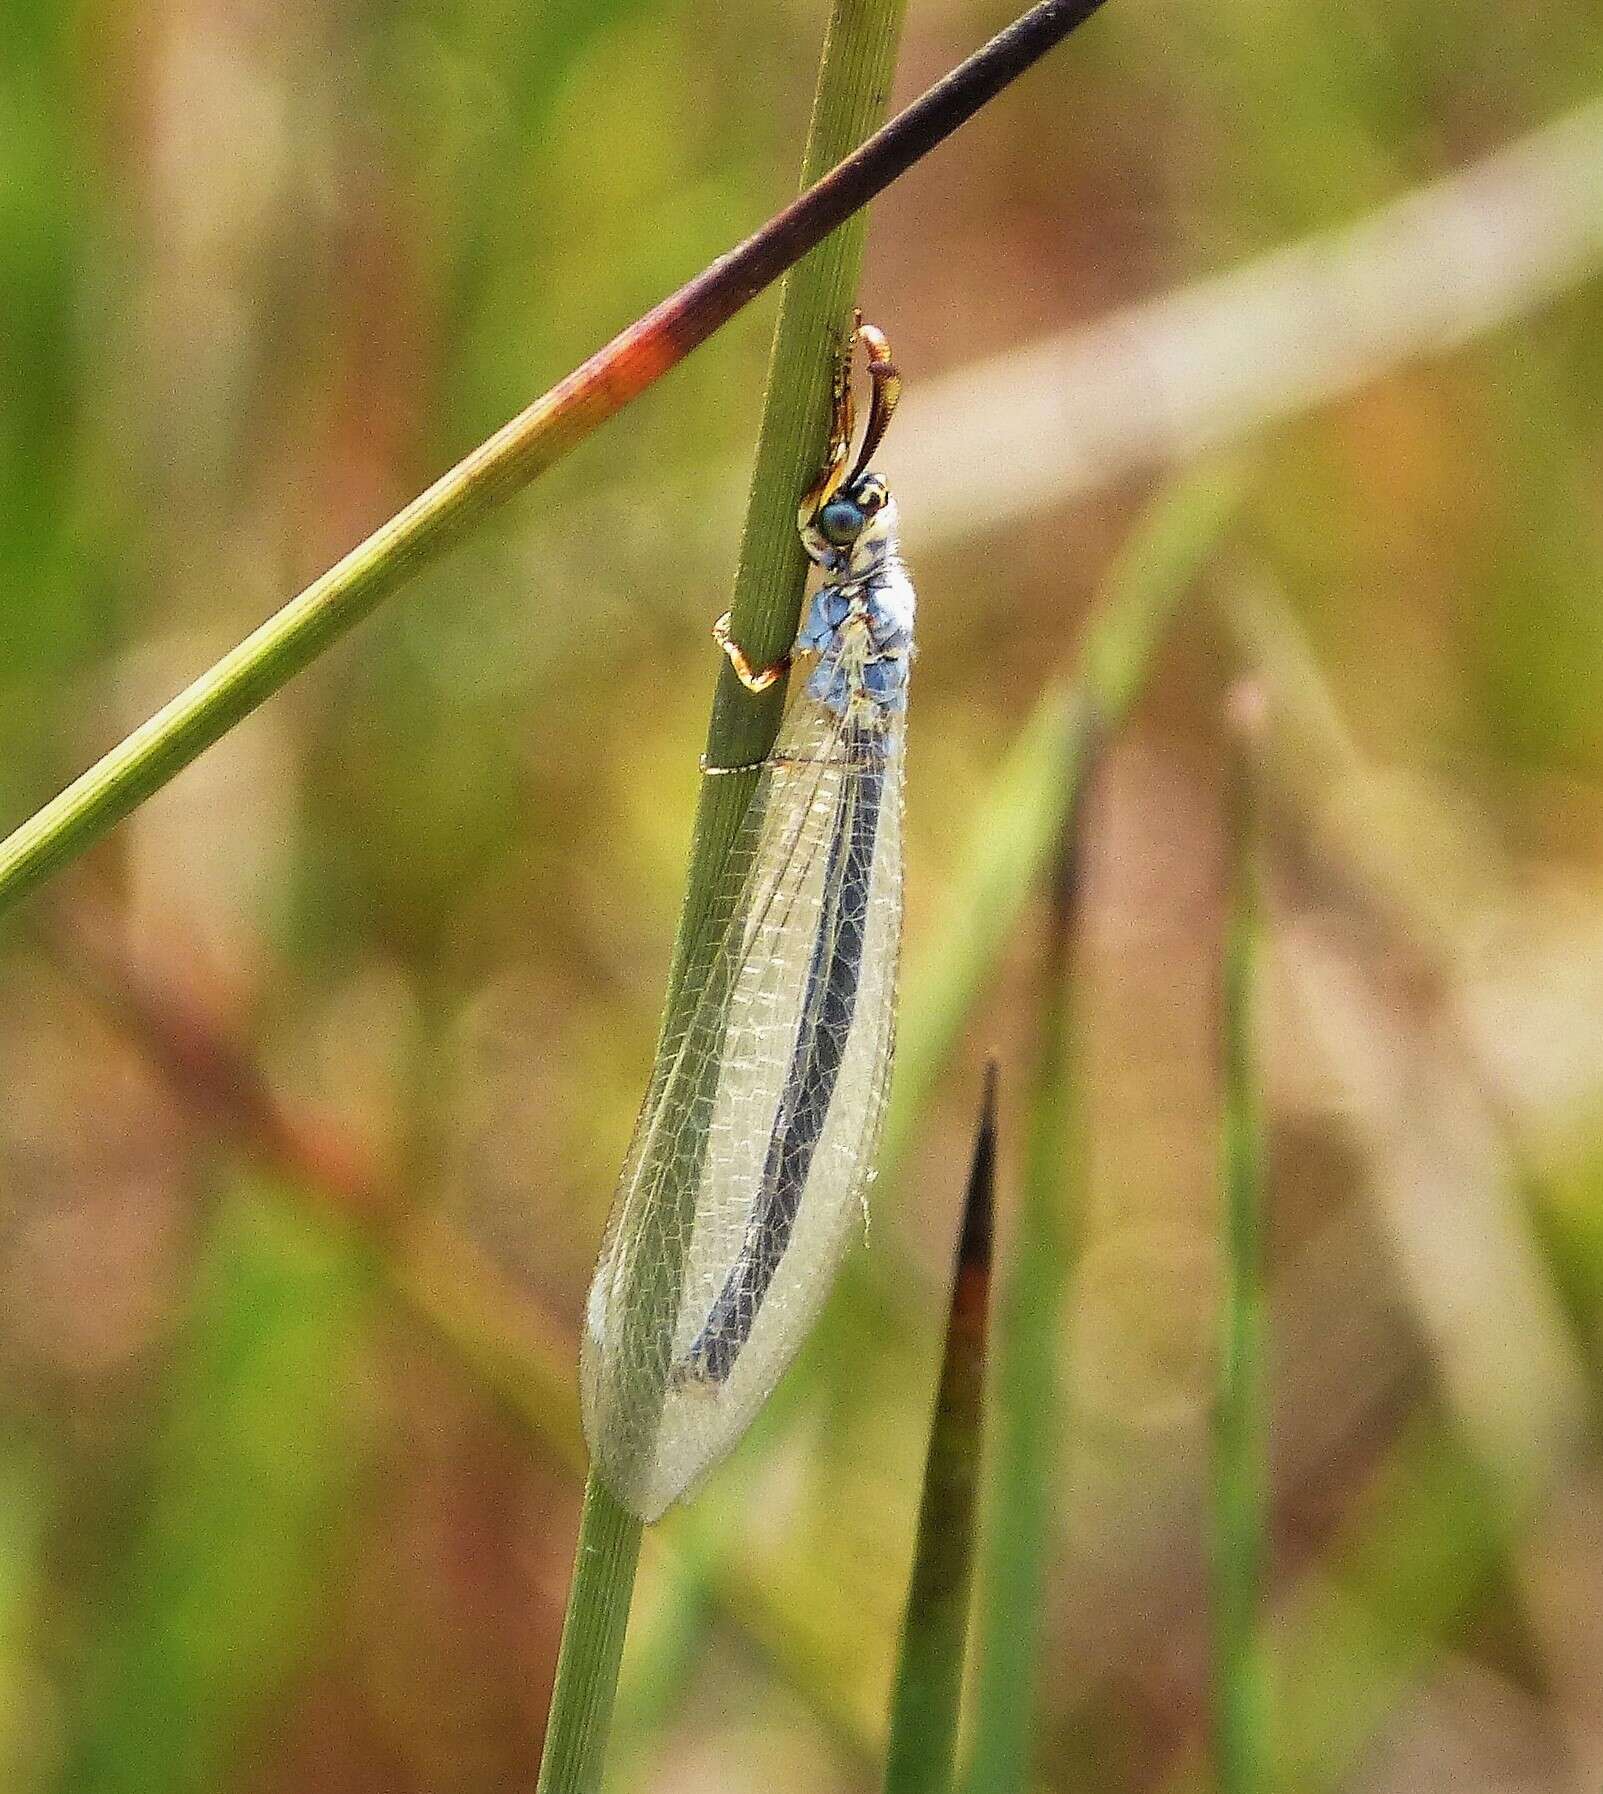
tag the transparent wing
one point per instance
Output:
(757, 1136)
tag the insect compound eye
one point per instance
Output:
(840, 522)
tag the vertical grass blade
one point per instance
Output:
(1240, 1463)
(853, 87)
(929, 1678)
(814, 324)
(1025, 1480)
(1055, 761)
(859, 59)
(667, 1649)
(26, 1508)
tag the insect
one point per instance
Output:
(757, 1138)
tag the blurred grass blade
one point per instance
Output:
(1421, 1551)
(435, 1275)
(1171, 542)
(1240, 1464)
(50, 216)
(1009, 842)
(1445, 262)
(1033, 821)
(26, 1502)
(667, 1647)
(1014, 832)
(1028, 1421)
(1025, 1479)
(225, 1576)
(929, 1677)
(1424, 1548)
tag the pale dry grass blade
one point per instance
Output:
(1214, 362)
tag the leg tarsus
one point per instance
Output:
(753, 678)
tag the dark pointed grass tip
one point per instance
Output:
(921, 1752)
(975, 1242)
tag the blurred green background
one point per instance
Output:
(276, 1514)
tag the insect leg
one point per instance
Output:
(753, 678)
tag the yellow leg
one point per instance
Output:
(753, 678)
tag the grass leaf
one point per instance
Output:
(929, 1677)
(1241, 1426)
(1027, 1405)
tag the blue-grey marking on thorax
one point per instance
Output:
(884, 675)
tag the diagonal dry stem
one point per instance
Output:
(538, 436)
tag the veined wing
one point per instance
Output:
(757, 1137)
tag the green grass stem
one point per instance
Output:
(815, 304)
(592, 1644)
(1240, 1509)
(853, 87)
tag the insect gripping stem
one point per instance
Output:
(759, 1133)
